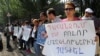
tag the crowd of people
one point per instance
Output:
(26, 35)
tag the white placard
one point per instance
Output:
(26, 33)
(16, 31)
(74, 38)
(20, 32)
(10, 28)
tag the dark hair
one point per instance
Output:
(44, 14)
(71, 4)
(51, 11)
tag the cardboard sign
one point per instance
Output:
(72, 38)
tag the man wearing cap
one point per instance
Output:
(88, 14)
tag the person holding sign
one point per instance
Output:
(71, 37)
(15, 34)
(7, 31)
(26, 35)
(51, 14)
(70, 12)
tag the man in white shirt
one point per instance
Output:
(88, 14)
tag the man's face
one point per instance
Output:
(42, 17)
(49, 16)
(69, 10)
(88, 14)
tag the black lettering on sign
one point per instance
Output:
(71, 42)
(73, 50)
(75, 33)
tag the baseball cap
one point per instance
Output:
(89, 10)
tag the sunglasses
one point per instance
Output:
(69, 9)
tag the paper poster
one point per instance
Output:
(74, 38)
(20, 32)
(16, 31)
(26, 33)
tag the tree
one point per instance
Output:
(34, 7)
(13, 7)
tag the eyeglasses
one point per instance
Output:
(69, 9)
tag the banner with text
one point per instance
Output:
(72, 38)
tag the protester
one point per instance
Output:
(51, 14)
(40, 39)
(26, 27)
(7, 31)
(70, 12)
(16, 28)
(20, 33)
(89, 16)
(33, 34)
(35, 29)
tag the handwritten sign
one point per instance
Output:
(26, 33)
(74, 38)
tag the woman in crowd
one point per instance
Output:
(33, 34)
(40, 38)
(70, 12)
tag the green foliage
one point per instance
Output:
(24, 8)
(34, 7)
(13, 7)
